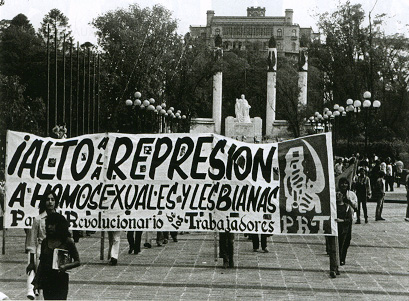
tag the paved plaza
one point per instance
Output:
(296, 268)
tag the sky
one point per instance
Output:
(193, 12)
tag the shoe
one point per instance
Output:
(332, 274)
(31, 297)
(165, 241)
(130, 251)
(265, 250)
(255, 250)
(381, 219)
(342, 263)
(113, 261)
(337, 272)
(136, 252)
(358, 222)
(366, 220)
(175, 239)
(407, 219)
(159, 244)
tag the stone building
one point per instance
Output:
(254, 31)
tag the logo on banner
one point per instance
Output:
(301, 191)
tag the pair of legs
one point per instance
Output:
(362, 201)
(389, 180)
(332, 252)
(344, 239)
(226, 247)
(134, 241)
(256, 241)
(114, 238)
(379, 208)
(162, 237)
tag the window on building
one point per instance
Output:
(294, 46)
(217, 31)
(294, 32)
(279, 32)
(279, 46)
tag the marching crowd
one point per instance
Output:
(50, 230)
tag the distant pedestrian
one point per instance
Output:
(338, 168)
(378, 194)
(362, 187)
(398, 172)
(389, 175)
(58, 254)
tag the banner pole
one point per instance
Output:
(101, 253)
(215, 246)
(337, 250)
(3, 247)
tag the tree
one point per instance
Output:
(140, 47)
(16, 112)
(56, 20)
(21, 54)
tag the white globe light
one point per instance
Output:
(163, 105)
(128, 102)
(367, 103)
(376, 104)
(162, 112)
(151, 100)
(367, 95)
(138, 94)
(336, 113)
(349, 101)
(169, 111)
(137, 102)
(183, 116)
(158, 107)
(178, 111)
(350, 108)
(341, 109)
(150, 108)
(172, 109)
(316, 114)
(142, 107)
(146, 103)
(329, 113)
(177, 114)
(326, 110)
(357, 103)
(336, 106)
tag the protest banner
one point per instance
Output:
(173, 182)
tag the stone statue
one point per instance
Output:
(242, 110)
(302, 61)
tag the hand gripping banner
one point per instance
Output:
(174, 182)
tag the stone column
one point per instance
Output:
(271, 87)
(217, 101)
(303, 76)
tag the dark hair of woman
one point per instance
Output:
(42, 206)
(61, 225)
(342, 181)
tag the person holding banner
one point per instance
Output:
(36, 235)
(58, 254)
(346, 204)
(256, 242)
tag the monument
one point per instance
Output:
(242, 126)
(271, 86)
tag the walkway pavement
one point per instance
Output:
(296, 268)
